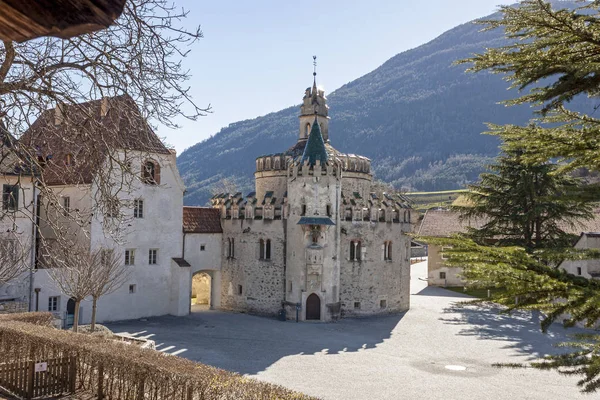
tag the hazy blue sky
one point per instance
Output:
(256, 56)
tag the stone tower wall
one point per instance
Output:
(368, 282)
(261, 281)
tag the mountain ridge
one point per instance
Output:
(418, 117)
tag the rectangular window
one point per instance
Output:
(357, 305)
(66, 205)
(387, 251)
(230, 248)
(130, 257)
(442, 275)
(53, 303)
(240, 289)
(445, 248)
(329, 210)
(578, 270)
(132, 289)
(152, 256)
(303, 210)
(291, 287)
(202, 247)
(138, 208)
(10, 197)
(382, 303)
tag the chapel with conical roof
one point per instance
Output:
(315, 238)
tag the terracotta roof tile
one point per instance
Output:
(201, 220)
(88, 131)
(442, 223)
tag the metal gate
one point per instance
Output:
(30, 379)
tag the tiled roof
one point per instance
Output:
(88, 131)
(443, 223)
(201, 220)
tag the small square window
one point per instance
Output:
(53, 303)
(357, 305)
(152, 256)
(202, 247)
(382, 303)
(578, 270)
(130, 257)
(442, 275)
(240, 290)
(132, 289)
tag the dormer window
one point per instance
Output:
(151, 172)
(69, 160)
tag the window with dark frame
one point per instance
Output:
(66, 205)
(578, 270)
(202, 247)
(53, 303)
(138, 208)
(152, 256)
(10, 197)
(303, 209)
(357, 305)
(130, 257)
(442, 275)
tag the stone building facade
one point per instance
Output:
(314, 236)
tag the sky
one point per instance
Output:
(256, 56)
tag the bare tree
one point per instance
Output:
(109, 275)
(71, 267)
(139, 59)
(13, 258)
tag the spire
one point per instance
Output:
(315, 146)
(314, 88)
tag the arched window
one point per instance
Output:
(307, 131)
(277, 163)
(264, 249)
(268, 163)
(151, 172)
(355, 250)
(387, 250)
(69, 160)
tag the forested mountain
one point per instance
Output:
(418, 117)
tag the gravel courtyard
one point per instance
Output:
(437, 350)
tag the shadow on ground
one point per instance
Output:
(519, 329)
(250, 344)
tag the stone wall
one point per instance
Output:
(374, 285)
(249, 283)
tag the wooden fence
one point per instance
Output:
(31, 379)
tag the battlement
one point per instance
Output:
(236, 207)
(273, 162)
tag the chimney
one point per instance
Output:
(59, 113)
(103, 106)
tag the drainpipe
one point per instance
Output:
(33, 246)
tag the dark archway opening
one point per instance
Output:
(313, 307)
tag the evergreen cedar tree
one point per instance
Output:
(555, 58)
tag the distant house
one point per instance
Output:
(445, 223)
(586, 268)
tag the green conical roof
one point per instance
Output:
(315, 146)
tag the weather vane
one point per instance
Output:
(315, 65)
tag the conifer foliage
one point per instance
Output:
(527, 204)
(554, 58)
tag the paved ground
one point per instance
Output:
(437, 350)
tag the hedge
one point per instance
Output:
(122, 371)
